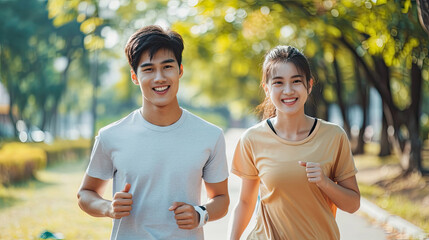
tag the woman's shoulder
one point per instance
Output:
(331, 128)
(254, 130)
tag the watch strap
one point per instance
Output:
(201, 210)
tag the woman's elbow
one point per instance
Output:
(354, 206)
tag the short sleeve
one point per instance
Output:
(243, 162)
(216, 168)
(100, 164)
(344, 164)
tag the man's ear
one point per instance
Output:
(134, 77)
(181, 70)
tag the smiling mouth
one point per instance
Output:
(289, 100)
(161, 89)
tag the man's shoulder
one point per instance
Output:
(201, 124)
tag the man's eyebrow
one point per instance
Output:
(170, 60)
(146, 65)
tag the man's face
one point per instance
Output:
(158, 78)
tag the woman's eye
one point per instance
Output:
(147, 70)
(297, 81)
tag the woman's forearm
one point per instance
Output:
(345, 195)
(241, 218)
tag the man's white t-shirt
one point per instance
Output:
(163, 165)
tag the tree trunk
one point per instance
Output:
(385, 146)
(413, 123)
(324, 113)
(340, 100)
(363, 93)
(95, 84)
(11, 117)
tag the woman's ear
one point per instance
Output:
(134, 77)
(310, 85)
(266, 89)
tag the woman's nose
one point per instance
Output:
(288, 89)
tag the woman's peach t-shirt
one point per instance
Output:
(290, 206)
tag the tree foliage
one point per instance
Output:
(351, 44)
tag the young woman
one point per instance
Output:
(302, 166)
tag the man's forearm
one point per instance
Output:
(217, 207)
(93, 204)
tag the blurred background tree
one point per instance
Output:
(63, 64)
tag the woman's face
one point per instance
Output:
(287, 88)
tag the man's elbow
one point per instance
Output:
(81, 199)
(225, 206)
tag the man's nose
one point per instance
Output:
(159, 77)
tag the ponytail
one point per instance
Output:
(266, 109)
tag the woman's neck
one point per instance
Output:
(292, 128)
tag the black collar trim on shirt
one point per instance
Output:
(312, 128)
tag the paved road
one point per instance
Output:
(352, 226)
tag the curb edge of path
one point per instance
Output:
(396, 222)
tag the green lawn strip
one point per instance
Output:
(49, 203)
(398, 205)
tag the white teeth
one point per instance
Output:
(160, 89)
(289, 100)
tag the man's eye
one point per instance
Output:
(147, 70)
(168, 66)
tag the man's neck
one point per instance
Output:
(161, 116)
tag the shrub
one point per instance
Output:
(64, 150)
(19, 161)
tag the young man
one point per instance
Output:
(158, 155)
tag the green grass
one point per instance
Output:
(398, 205)
(49, 203)
(404, 197)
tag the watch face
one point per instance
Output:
(206, 218)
